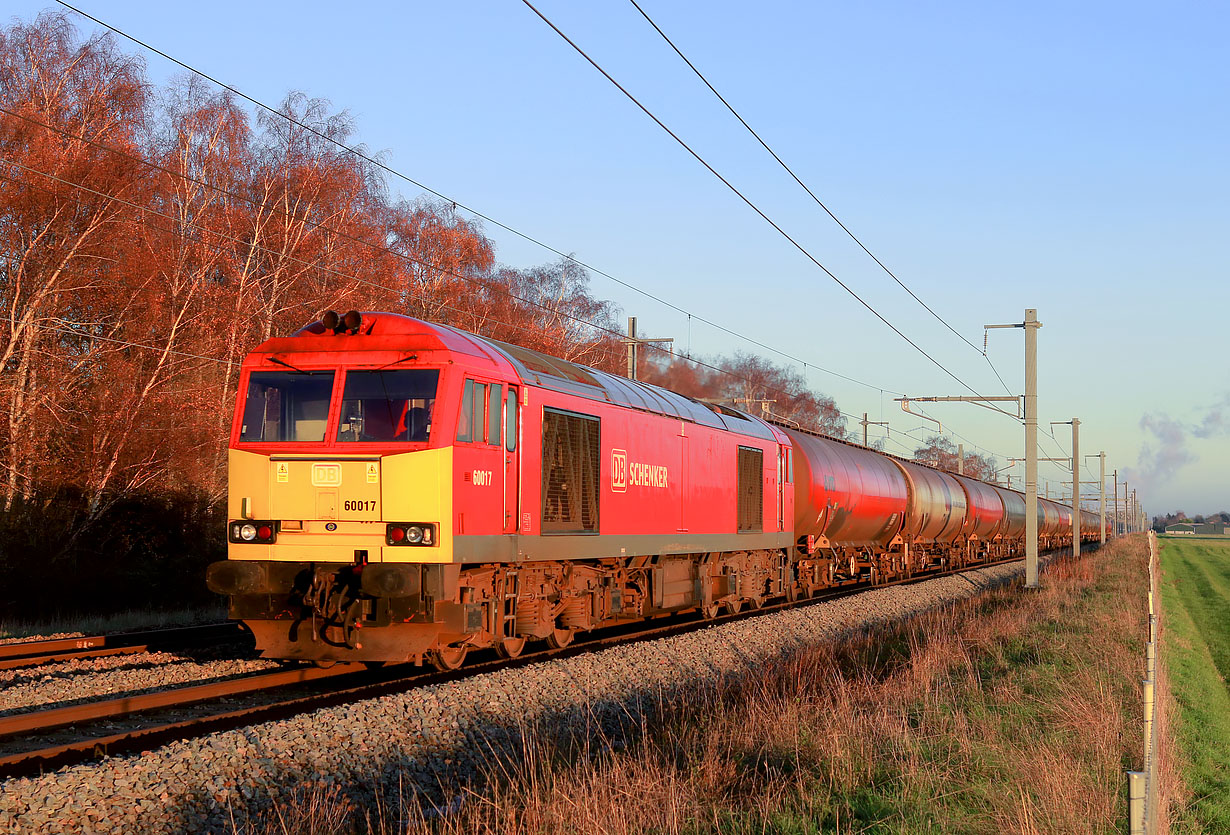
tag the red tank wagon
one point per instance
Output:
(404, 491)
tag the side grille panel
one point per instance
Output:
(751, 489)
(570, 467)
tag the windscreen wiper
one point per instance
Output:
(397, 362)
(293, 368)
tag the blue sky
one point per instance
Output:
(1068, 157)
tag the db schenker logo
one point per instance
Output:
(638, 474)
(619, 470)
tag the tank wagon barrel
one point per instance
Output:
(985, 517)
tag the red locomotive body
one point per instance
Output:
(401, 490)
(404, 491)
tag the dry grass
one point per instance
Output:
(1013, 712)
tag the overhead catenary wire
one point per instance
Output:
(797, 179)
(176, 230)
(745, 199)
(560, 253)
(817, 199)
(180, 222)
(294, 260)
(458, 204)
(331, 230)
(529, 238)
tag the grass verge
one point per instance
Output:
(1195, 591)
(1011, 712)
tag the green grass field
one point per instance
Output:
(1196, 648)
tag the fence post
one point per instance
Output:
(1148, 697)
(1136, 802)
(1142, 785)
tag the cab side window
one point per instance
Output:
(493, 415)
(510, 421)
(480, 404)
(465, 418)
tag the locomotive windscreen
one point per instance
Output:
(287, 406)
(388, 405)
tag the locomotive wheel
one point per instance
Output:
(447, 658)
(560, 638)
(510, 647)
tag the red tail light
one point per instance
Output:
(410, 533)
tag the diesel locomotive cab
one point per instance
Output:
(339, 466)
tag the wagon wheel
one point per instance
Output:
(510, 647)
(560, 638)
(711, 610)
(447, 658)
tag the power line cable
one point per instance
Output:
(796, 178)
(323, 227)
(742, 197)
(180, 222)
(294, 260)
(475, 212)
(813, 196)
(526, 237)
(529, 238)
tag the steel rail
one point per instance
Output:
(30, 653)
(140, 739)
(58, 717)
(38, 660)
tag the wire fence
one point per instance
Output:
(1143, 791)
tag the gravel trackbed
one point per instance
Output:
(430, 739)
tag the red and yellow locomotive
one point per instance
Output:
(405, 491)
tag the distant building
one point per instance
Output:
(1202, 529)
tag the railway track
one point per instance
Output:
(33, 653)
(158, 722)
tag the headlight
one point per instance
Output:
(256, 532)
(410, 533)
